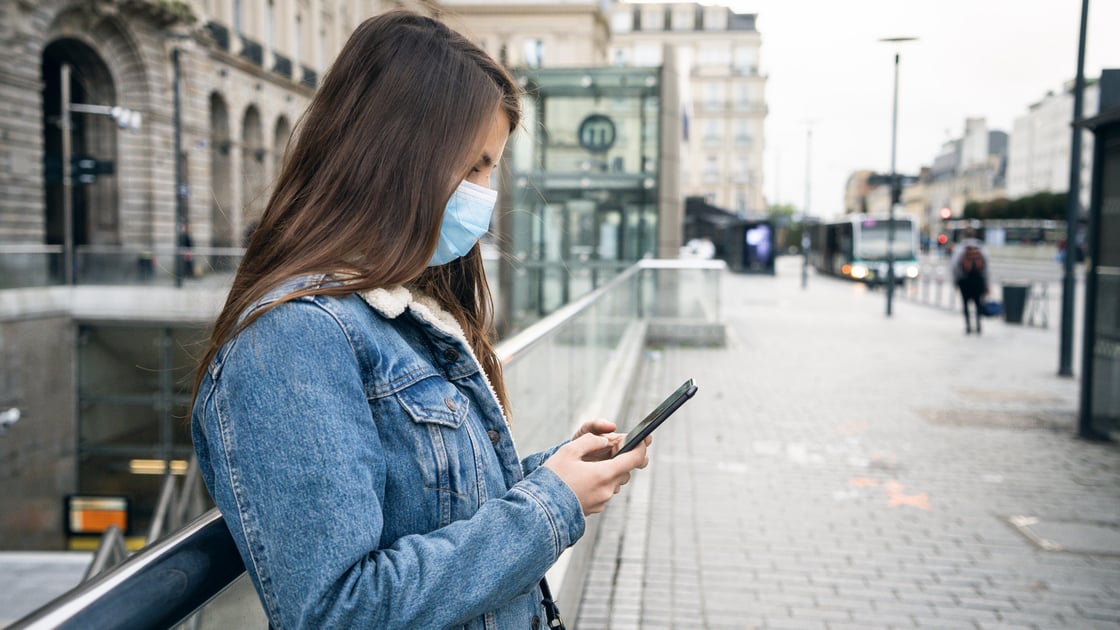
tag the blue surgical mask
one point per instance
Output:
(465, 220)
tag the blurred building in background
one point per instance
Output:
(1039, 151)
(718, 51)
(970, 168)
(534, 33)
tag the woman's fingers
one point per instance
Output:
(597, 427)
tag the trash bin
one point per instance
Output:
(1015, 302)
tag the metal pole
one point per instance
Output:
(805, 210)
(808, 164)
(67, 185)
(895, 192)
(1073, 207)
(180, 187)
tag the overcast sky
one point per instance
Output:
(989, 58)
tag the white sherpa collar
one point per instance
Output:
(393, 301)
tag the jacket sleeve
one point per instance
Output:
(298, 471)
(534, 461)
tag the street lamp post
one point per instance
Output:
(67, 185)
(805, 210)
(180, 184)
(896, 186)
(1073, 208)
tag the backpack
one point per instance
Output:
(972, 262)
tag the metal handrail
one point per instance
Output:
(157, 587)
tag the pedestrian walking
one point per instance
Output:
(970, 271)
(350, 416)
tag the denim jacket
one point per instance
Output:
(367, 474)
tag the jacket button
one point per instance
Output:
(451, 355)
(493, 435)
(450, 403)
(536, 622)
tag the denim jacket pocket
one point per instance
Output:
(446, 445)
(434, 401)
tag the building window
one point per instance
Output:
(237, 16)
(683, 18)
(622, 21)
(743, 101)
(715, 19)
(711, 169)
(713, 132)
(744, 60)
(533, 50)
(713, 96)
(742, 172)
(743, 133)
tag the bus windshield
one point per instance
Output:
(872, 243)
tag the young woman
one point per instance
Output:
(349, 412)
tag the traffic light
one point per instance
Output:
(942, 239)
(946, 213)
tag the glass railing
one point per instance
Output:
(25, 266)
(161, 266)
(558, 372)
(29, 265)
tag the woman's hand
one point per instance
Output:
(594, 482)
(606, 429)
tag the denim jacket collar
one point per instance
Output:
(392, 302)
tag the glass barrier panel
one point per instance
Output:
(25, 267)
(236, 607)
(207, 267)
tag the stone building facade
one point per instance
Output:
(246, 72)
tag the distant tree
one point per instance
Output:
(1043, 205)
(788, 236)
(781, 213)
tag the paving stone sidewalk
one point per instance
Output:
(839, 469)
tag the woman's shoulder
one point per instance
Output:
(300, 307)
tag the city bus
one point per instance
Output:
(855, 247)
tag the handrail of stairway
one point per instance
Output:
(157, 587)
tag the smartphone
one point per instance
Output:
(657, 416)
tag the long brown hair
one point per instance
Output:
(392, 130)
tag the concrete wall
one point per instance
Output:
(38, 464)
